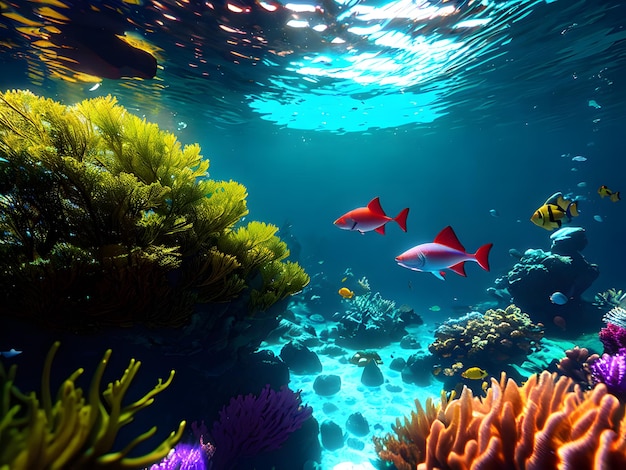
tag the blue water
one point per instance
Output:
(417, 105)
(451, 121)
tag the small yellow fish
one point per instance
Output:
(604, 191)
(434, 308)
(555, 212)
(474, 373)
(345, 293)
(344, 279)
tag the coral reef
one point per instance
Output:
(369, 321)
(577, 366)
(610, 298)
(611, 371)
(76, 429)
(616, 316)
(547, 423)
(489, 341)
(109, 220)
(185, 457)
(538, 274)
(613, 338)
(250, 425)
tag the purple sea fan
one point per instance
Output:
(611, 371)
(250, 425)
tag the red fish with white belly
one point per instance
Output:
(372, 217)
(445, 252)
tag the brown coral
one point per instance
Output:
(575, 365)
(547, 423)
(488, 340)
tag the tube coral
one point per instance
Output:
(547, 423)
(79, 429)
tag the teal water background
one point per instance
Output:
(451, 121)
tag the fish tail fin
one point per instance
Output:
(401, 218)
(616, 197)
(482, 256)
(572, 210)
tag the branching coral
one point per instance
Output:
(610, 298)
(78, 430)
(109, 220)
(547, 423)
(407, 448)
(576, 365)
(495, 338)
(368, 321)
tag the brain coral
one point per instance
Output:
(547, 423)
(486, 340)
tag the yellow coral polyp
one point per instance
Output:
(77, 430)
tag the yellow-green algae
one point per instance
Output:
(109, 220)
(74, 430)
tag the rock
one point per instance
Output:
(397, 364)
(568, 240)
(409, 342)
(300, 359)
(317, 318)
(329, 407)
(332, 437)
(393, 388)
(326, 385)
(324, 334)
(408, 377)
(357, 424)
(332, 350)
(354, 443)
(372, 376)
(408, 315)
(418, 369)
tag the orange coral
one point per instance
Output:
(547, 423)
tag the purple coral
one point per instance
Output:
(183, 457)
(611, 371)
(250, 425)
(613, 338)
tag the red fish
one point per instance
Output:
(445, 252)
(560, 322)
(372, 217)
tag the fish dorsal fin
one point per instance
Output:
(448, 238)
(459, 268)
(553, 199)
(558, 200)
(375, 207)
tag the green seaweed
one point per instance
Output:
(109, 220)
(76, 429)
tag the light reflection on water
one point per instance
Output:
(351, 66)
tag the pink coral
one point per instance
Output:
(613, 338)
